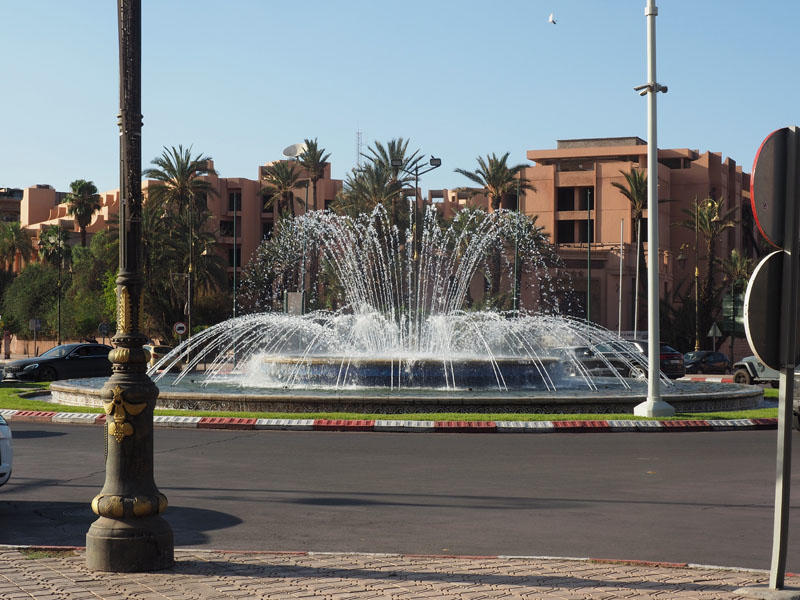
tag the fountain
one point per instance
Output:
(405, 337)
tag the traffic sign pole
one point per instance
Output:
(771, 318)
(791, 280)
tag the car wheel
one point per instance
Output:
(47, 374)
(636, 373)
(742, 376)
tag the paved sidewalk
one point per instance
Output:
(215, 575)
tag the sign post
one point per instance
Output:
(771, 303)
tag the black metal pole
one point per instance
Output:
(129, 534)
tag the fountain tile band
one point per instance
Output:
(684, 396)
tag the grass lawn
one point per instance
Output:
(10, 398)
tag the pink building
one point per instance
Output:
(576, 202)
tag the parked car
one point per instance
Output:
(159, 351)
(635, 352)
(6, 451)
(750, 370)
(706, 361)
(68, 361)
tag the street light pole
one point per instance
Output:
(588, 255)
(654, 406)
(696, 279)
(129, 534)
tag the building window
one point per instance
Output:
(585, 231)
(266, 230)
(238, 257)
(566, 232)
(565, 199)
(235, 200)
(226, 228)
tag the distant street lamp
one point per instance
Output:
(434, 163)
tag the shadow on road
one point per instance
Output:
(29, 435)
(66, 523)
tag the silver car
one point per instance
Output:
(6, 451)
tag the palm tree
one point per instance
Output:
(399, 164)
(313, 159)
(498, 180)
(281, 178)
(704, 219)
(14, 242)
(366, 188)
(635, 190)
(181, 189)
(83, 201)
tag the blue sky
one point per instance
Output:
(242, 79)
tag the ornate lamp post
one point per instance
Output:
(129, 535)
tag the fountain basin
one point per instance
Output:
(470, 374)
(609, 397)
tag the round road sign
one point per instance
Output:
(762, 310)
(768, 186)
(179, 328)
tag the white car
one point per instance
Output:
(6, 451)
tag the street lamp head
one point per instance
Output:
(436, 162)
(397, 162)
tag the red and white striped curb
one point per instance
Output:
(405, 425)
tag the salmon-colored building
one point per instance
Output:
(235, 197)
(577, 204)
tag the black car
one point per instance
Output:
(706, 361)
(633, 356)
(68, 361)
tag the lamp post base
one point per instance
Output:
(129, 545)
(659, 408)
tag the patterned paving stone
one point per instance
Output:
(201, 575)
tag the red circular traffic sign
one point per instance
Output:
(179, 328)
(768, 186)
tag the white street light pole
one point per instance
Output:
(653, 406)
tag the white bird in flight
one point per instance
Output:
(551, 19)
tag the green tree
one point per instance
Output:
(177, 201)
(635, 190)
(313, 159)
(29, 296)
(83, 200)
(366, 188)
(395, 159)
(499, 182)
(281, 178)
(708, 221)
(14, 242)
(497, 179)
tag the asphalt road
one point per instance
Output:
(683, 497)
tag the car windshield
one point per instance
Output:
(623, 346)
(58, 351)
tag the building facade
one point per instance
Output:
(590, 220)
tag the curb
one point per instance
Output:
(476, 557)
(400, 426)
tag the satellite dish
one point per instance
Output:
(294, 150)
(551, 19)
